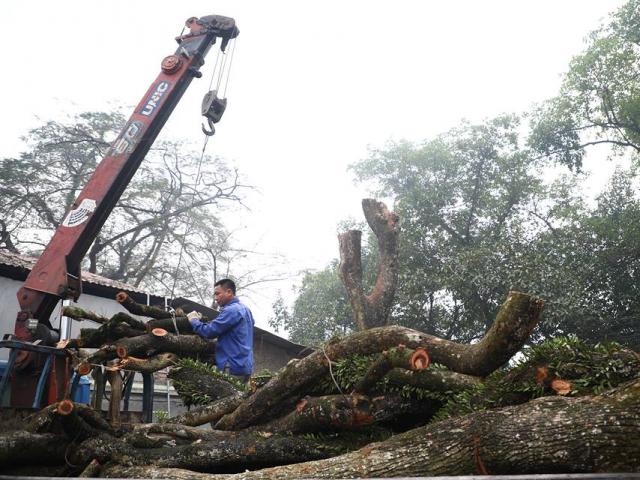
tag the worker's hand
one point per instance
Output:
(194, 316)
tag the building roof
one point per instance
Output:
(21, 265)
(17, 267)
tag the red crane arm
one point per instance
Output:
(56, 275)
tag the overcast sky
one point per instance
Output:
(313, 84)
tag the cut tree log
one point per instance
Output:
(515, 320)
(43, 420)
(80, 314)
(241, 450)
(371, 310)
(398, 357)
(150, 344)
(149, 364)
(121, 325)
(132, 306)
(72, 423)
(183, 324)
(433, 380)
(547, 435)
(26, 448)
(209, 413)
(339, 413)
(322, 414)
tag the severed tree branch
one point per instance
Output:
(371, 310)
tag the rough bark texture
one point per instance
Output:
(148, 365)
(19, 448)
(80, 314)
(400, 357)
(183, 324)
(121, 325)
(371, 310)
(517, 317)
(433, 380)
(236, 452)
(138, 309)
(544, 436)
(197, 387)
(209, 413)
(329, 413)
(150, 344)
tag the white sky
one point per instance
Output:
(312, 85)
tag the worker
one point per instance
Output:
(233, 327)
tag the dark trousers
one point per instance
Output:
(241, 378)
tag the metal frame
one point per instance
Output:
(17, 346)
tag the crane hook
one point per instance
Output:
(212, 108)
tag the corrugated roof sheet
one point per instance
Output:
(25, 262)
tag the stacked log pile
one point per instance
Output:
(310, 422)
(386, 401)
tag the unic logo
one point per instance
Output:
(154, 99)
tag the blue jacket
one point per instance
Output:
(233, 327)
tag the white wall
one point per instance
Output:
(9, 309)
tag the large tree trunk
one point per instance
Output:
(159, 341)
(547, 435)
(517, 317)
(235, 451)
(209, 413)
(371, 310)
(25, 448)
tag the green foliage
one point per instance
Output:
(600, 97)
(189, 391)
(212, 370)
(463, 198)
(591, 369)
(320, 310)
(348, 371)
(162, 416)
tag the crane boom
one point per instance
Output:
(56, 274)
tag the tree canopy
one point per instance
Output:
(488, 207)
(167, 216)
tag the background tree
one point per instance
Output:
(483, 211)
(321, 309)
(168, 217)
(462, 199)
(599, 102)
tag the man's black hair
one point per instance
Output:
(226, 283)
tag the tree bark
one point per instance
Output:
(183, 324)
(371, 310)
(545, 436)
(80, 314)
(517, 317)
(149, 344)
(433, 380)
(20, 448)
(148, 365)
(197, 387)
(119, 326)
(209, 413)
(72, 423)
(241, 450)
(399, 357)
(132, 306)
